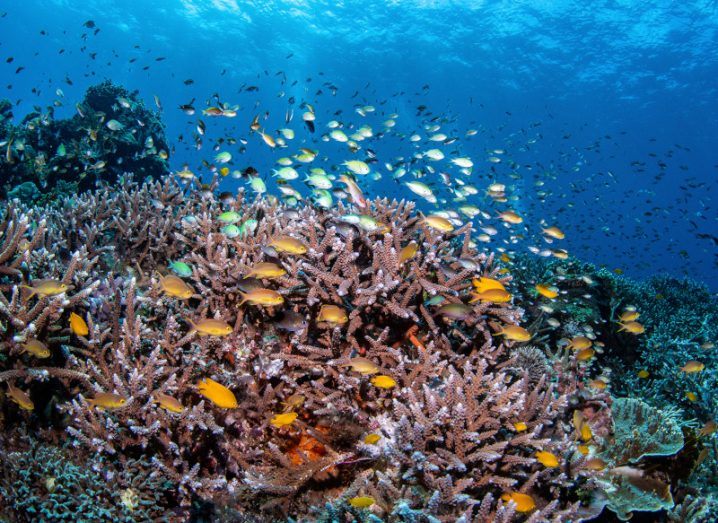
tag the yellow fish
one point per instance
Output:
(266, 270)
(693, 366)
(45, 288)
(643, 374)
(547, 459)
(596, 464)
(554, 232)
(583, 431)
(288, 244)
(283, 420)
(579, 343)
(585, 354)
(268, 139)
(263, 297)
(584, 449)
(692, 396)
(176, 287)
(633, 327)
(408, 252)
(524, 502)
(511, 217)
(36, 348)
(383, 381)
(107, 400)
(218, 394)
(486, 284)
(372, 439)
(332, 314)
(520, 426)
(78, 325)
(169, 403)
(546, 291)
(20, 397)
(561, 254)
(361, 502)
(629, 315)
(439, 223)
(362, 366)
(515, 333)
(491, 296)
(598, 384)
(211, 327)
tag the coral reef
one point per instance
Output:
(664, 374)
(305, 363)
(111, 133)
(43, 483)
(641, 430)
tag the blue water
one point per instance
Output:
(591, 101)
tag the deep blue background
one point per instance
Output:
(570, 93)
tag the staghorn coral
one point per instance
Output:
(448, 446)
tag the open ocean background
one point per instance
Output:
(572, 91)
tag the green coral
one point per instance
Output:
(641, 430)
(42, 483)
(627, 494)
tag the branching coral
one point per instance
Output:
(445, 414)
(43, 483)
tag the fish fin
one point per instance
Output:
(33, 290)
(244, 299)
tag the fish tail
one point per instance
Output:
(244, 299)
(33, 290)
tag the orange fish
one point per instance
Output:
(546, 291)
(490, 296)
(524, 502)
(515, 333)
(78, 325)
(693, 366)
(20, 397)
(632, 326)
